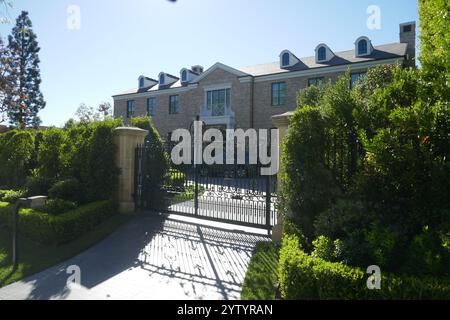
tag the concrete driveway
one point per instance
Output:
(152, 257)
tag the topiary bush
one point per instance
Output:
(70, 190)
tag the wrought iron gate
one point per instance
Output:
(236, 194)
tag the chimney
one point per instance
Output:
(197, 69)
(408, 35)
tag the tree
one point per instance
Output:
(105, 110)
(86, 114)
(5, 5)
(25, 99)
(5, 79)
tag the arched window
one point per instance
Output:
(322, 54)
(362, 47)
(161, 79)
(184, 76)
(141, 82)
(285, 59)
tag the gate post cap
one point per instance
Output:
(281, 120)
(130, 131)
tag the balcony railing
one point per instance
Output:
(217, 111)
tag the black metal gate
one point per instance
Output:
(236, 194)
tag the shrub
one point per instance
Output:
(177, 179)
(37, 186)
(327, 249)
(50, 153)
(428, 254)
(69, 189)
(157, 160)
(57, 206)
(290, 228)
(342, 218)
(307, 186)
(16, 152)
(53, 230)
(304, 277)
(12, 196)
(102, 178)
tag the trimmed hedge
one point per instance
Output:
(58, 229)
(304, 277)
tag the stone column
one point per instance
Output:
(281, 122)
(126, 139)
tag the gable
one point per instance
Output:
(220, 71)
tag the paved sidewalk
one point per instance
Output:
(152, 257)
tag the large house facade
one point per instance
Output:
(225, 97)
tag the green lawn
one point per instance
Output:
(34, 257)
(261, 279)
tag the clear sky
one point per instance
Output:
(119, 40)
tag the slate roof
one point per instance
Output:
(387, 51)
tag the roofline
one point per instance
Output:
(325, 69)
(272, 76)
(219, 65)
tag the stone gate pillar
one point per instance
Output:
(281, 122)
(126, 139)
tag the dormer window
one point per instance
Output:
(184, 76)
(285, 59)
(162, 78)
(363, 47)
(141, 82)
(322, 54)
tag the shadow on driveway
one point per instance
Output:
(152, 257)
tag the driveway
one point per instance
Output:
(152, 257)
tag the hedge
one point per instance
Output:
(304, 277)
(63, 228)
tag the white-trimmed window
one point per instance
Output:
(174, 104)
(278, 93)
(151, 106)
(363, 47)
(322, 54)
(184, 76)
(217, 101)
(130, 108)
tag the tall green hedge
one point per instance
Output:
(16, 154)
(435, 47)
(81, 151)
(157, 160)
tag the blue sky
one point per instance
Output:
(120, 40)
